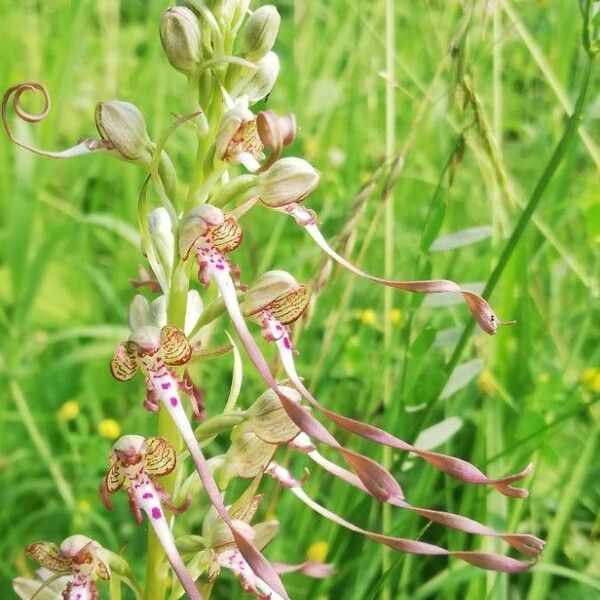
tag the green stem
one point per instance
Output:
(388, 297)
(540, 586)
(41, 445)
(155, 586)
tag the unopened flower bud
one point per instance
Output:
(257, 84)
(247, 456)
(289, 180)
(260, 33)
(161, 236)
(122, 124)
(237, 188)
(266, 289)
(268, 420)
(180, 36)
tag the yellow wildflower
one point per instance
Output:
(109, 428)
(590, 378)
(317, 552)
(487, 383)
(367, 317)
(395, 316)
(69, 410)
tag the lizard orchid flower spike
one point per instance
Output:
(288, 183)
(276, 300)
(135, 461)
(157, 351)
(210, 235)
(79, 558)
(484, 560)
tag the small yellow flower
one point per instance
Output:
(590, 378)
(84, 506)
(109, 428)
(69, 410)
(395, 316)
(367, 317)
(317, 552)
(487, 383)
(311, 146)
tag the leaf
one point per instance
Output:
(434, 219)
(462, 238)
(236, 378)
(115, 225)
(461, 377)
(438, 434)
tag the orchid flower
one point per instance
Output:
(211, 235)
(121, 126)
(277, 300)
(242, 136)
(79, 558)
(135, 461)
(288, 183)
(216, 549)
(267, 426)
(237, 138)
(157, 350)
(484, 560)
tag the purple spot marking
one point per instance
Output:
(147, 495)
(279, 328)
(220, 266)
(156, 514)
(166, 386)
(173, 401)
(287, 343)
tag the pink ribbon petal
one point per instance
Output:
(523, 542)
(479, 308)
(484, 560)
(455, 467)
(376, 479)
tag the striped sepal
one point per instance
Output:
(124, 363)
(159, 456)
(115, 477)
(286, 309)
(174, 346)
(228, 236)
(49, 556)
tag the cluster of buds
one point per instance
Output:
(227, 56)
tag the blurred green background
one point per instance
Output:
(481, 94)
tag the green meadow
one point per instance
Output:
(445, 150)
